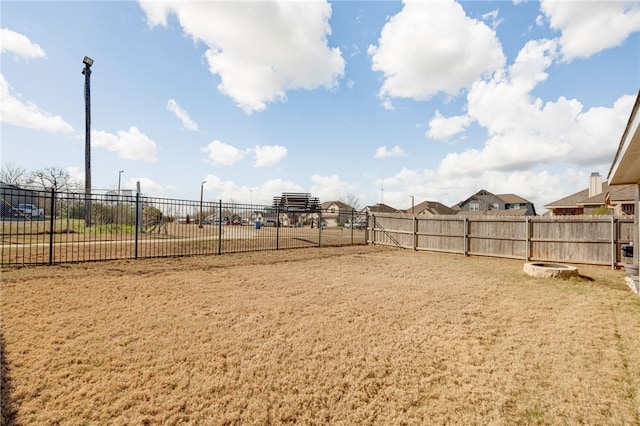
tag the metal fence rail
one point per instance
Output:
(50, 227)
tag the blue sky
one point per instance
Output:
(381, 99)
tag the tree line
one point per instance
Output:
(46, 178)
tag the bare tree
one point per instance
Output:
(53, 177)
(13, 175)
(351, 200)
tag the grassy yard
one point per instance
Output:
(349, 335)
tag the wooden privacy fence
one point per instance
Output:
(593, 240)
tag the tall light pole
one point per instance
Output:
(201, 191)
(412, 203)
(119, 176)
(87, 61)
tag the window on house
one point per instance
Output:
(627, 209)
(514, 206)
(474, 206)
(332, 209)
(495, 206)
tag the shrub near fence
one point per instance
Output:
(132, 227)
(593, 240)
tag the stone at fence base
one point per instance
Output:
(632, 279)
(550, 270)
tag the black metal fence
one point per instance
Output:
(50, 227)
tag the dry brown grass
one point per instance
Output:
(352, 335)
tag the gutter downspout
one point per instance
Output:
(636, 237)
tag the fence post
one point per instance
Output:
(527, 237)
(415, 232)
(219, 227)
(373, 229)
(613, 242)
(277, 227)
(319, 228)
(135, 247)
(51, 222)
(351, 226)
(465, 228)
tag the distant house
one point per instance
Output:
(620, 198)
(430, 208)
(617, 199)
(336, 213)
(381, 208)
(484, 202)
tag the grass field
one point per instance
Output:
(349, 335)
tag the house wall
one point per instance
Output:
(567, 211)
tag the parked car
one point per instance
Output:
(356, 225)
(30, 210)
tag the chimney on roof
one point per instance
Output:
(595, 184)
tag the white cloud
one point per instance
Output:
(268, 155)
(524, 132)
(493, 18)
(383, 152)
(598, 131)
(182, 115)
(223, 154)
(431, 47)
(20, 45)
(131, 144)
(271, 48)
(76, 174)
(588, 27)
(27, 114)
(263, 194)
(539, 187)
(443, 128)
(148, 186)
(330, 188)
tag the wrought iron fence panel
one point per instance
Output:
(50, 227)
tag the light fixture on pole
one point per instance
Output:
(201, 191)
(87, 61)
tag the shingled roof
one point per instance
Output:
(579, 198)
(432, 207)
(381, 208)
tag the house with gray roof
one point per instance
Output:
(484, 202)
(337, 213)
(617, 199)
